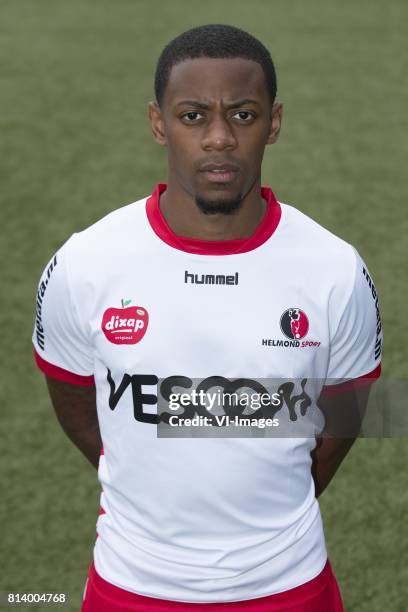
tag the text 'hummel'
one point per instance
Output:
(211, 279)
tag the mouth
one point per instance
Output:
(220, 176)
(219, 173)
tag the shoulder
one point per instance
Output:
(111, 234)
(306, 230)
(316, 248)
(120, 222)
(88, 257)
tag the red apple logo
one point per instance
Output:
(125, 325)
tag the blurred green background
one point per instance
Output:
(75, 143)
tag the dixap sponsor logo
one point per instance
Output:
(125, 325)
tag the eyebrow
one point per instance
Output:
(205, 106)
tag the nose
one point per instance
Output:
(218, 135)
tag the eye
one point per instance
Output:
(191, 116)
(244, 116)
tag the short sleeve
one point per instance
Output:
(61, 346)
(356, 343)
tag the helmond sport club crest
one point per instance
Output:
(294, 323)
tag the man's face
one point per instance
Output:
(215, 119)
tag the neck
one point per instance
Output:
(186, 219)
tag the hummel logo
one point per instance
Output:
(211, 279)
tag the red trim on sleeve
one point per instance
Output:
(264, 230)
(58, 373)
(355, 383)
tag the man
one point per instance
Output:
(209, 279)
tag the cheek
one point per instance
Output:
(260, 137)
(181, 148)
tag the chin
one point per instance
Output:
(219, 191)
(219, 202)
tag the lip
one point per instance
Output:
(225, 176)
(210, 167)
(219, 173)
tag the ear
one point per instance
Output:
(276, 120)
(157, 123)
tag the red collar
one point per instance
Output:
(264, 230)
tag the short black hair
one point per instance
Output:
(217, 41)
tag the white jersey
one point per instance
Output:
(127, 303)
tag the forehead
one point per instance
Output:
(213, 79)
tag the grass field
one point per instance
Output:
(75, 81)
